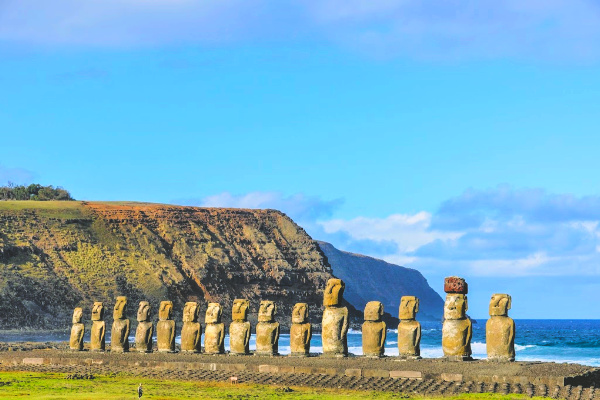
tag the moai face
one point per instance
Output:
(373, 311)
(409, 307)
(500, 304)
(213, 313)
(300, 313)
(77, 314)
(191, 311)
(98, 311)
(334, 292)
(143, 314)
(120, 310)
(267, 311)
(455, 306)
(165, 311)
(240, 309)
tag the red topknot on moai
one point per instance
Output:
(454, 284)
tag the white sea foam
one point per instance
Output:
(519, 347)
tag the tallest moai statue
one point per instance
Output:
(334, 328)
(457, 329)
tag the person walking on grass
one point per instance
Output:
(140, 391)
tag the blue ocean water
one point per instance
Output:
(572, 341)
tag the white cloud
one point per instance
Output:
(409, 232)
(495, 232)
(533, 29)
(15, 175)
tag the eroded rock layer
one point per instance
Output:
(55, 256)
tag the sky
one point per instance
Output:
(457, 138)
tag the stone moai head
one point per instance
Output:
(143, 314)
(300, 313)
(267, 311)
(77, 315)
(373, 311)
(334, 292)
(500, 304)
(191, 310)
(455, 306)
(165, 310)
(98, 311)
(120, 310)
(213, 313)
(409, 307)
(239, 311)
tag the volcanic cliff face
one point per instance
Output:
(368, 278)
(55, 256)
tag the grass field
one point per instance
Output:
(20, 385)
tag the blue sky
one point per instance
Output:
(459, 139)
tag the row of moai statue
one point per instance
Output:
(239, 330)
(456, 330)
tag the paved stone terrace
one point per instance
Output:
(425, 377)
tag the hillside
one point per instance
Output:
(369, 279)
(55, 256)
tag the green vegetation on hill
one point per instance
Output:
(33, 192)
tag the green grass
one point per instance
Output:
(50, 209)
(19, 385)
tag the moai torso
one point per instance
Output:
(409, 329)
(457, 329)
(77, 331)
(500, 330)
(267, 330)
(119, 335)
(191, 332)
(98, 333)
(373, 330)
(165, 328)
(239, 329)
(214, 334)
(334, 328)
(144, 330)
(300, 331)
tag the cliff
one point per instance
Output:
(55, 256)
(369, 279)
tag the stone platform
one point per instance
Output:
(427, 376)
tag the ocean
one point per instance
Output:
(571, 341)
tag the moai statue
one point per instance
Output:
(500, 330)
(97, 340)
(300, 331)
(239, 329)
(119, 335)
(267, 330)
(457, 329)
(191, 333)
(373, 330)
(144, 330)
(77, 331)
(214, 335)
(334, 328)
(165, 328)
(409, 329)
